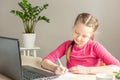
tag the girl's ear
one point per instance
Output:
(92, 36)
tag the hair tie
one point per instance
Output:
(88, 19)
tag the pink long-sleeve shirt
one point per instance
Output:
(88, 55)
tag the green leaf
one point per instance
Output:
(30, 15)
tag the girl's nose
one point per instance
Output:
(79, 37)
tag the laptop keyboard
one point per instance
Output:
(30, 73)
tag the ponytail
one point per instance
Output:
(69, 50)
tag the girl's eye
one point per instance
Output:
(85, 36)
(76, 32)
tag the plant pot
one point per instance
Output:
(29, 40)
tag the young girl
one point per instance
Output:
(83, 54)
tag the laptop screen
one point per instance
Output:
(10, 60)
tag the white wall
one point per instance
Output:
(62, 14)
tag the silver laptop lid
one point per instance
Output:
(10, 60)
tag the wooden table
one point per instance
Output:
(35, 62)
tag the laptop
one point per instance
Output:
(10, 62)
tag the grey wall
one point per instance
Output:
(62, 14)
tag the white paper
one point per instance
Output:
(67, 75)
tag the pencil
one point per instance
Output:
(58, 60)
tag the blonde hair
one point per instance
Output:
(88, 20)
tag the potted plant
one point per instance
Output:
(117, 75)
(30, 15)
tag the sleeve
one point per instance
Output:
(59, 51)
(105, 55)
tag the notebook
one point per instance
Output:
(10, 62)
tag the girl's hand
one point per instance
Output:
(61, 70)
(79, 70)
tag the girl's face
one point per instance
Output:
(81, 33)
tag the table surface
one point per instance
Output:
(35, 62)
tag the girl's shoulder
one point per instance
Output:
(93, 42)
(67, 42)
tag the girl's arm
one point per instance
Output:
(105, 55)
(49, 65)
(48, 61)
(109, 69)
